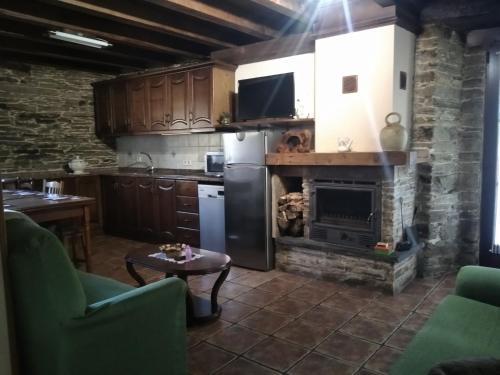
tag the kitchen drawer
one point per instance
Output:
(188, 220)
(187, 204)
(188, 236)
(186, 188)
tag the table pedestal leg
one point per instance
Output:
(131, 270)
(200, 310)
(215, 290)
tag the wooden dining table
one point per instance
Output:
(43, 208)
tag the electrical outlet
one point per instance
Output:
(187, 163)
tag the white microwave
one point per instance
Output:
(214, 163)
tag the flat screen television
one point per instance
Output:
(266, 97)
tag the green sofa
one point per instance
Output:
(465, 325)
(74, 323)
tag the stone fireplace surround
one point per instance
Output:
(356, 265)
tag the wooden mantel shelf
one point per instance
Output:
(342, 158)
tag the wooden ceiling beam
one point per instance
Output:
(289, 8)
(221, 17)
(271, 49)
(463, 15)
(117, 15)
(28, 58)
(131, 60)
(114, 38)
(28, 47)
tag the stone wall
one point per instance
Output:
(400, 185)
(47, 118)
(448, 121)
(470, 142)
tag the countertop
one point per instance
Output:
(175, 174)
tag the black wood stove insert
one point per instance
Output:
(346, 212)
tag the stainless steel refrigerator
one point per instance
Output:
(247, 187)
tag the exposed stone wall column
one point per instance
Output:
(470, 140)
(437, 115)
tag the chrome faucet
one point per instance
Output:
(151, 168)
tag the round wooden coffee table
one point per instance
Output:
(199, 310)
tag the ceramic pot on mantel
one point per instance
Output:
(393, 136)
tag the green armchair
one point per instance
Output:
(71, 323)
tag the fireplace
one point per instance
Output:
(345, 210)
(345, 213)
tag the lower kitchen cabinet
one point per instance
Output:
(188, 219)
(146, 218)
(119, 205)
(139, 207)
(165, 210)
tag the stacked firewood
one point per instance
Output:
(290, 214)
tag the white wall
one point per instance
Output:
(369, 54)
(404, 52)
(301, 65)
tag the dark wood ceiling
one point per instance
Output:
(157, 33)
(144, 33)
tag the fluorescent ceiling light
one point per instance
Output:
(79, 39)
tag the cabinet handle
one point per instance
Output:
(167, 118)
(190, 116)
(186, 205)
(188, 221)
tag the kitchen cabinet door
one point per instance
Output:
(159, 113)
(127, 210)
(110, 204)
(165, 195)
(119, 107)
(137, 95)
(200, 89)
(145, 207)
(102, 109)
(178, 100)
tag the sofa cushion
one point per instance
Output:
(459, 328)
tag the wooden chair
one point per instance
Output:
(52, 187)
(69, 233)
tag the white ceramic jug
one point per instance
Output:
(77, 165)
(393, 136)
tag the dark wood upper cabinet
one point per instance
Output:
(200, 95)
(178, 100)
(138, 100)
(167, 101)
(102, 108)
(119, 107)
(159, 111)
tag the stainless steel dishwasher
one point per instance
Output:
(212, 231)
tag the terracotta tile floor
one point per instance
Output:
(280, 323)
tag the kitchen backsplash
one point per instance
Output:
(172, 152)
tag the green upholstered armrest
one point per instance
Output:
(139, 331)
(98, 288)
(479, 283)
